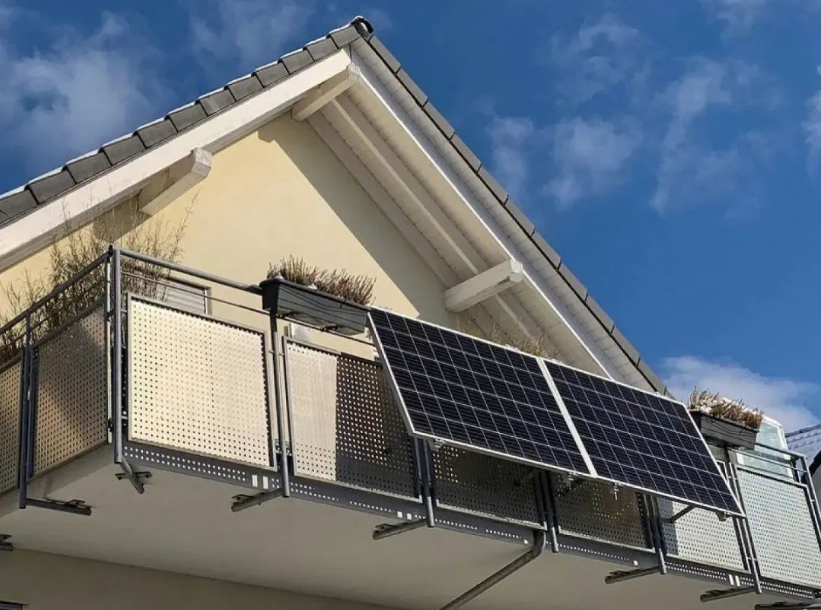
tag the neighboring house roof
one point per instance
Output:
(808, 442)
(43, 189)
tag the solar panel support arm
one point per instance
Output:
(717, 594)
(679, 514)
(539, 545)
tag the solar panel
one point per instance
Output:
(478, 395)
(642, 440)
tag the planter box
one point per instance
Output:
(302, 304)
(724, 432)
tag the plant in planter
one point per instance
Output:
(730, 423)
(331, 300)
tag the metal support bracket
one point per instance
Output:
(242, 501)
(386, 530)
(5, 545)
(539, 544)
(717, 594)
(622, 575)
(679, 514)
(137, 479)
(74, 507)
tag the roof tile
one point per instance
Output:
(625, 345)
(15, 203)
(412, 87)
(217, 100)
(297, 60)
(486, 177)
(88, 167)
(272, 73)
(154, 133)
(321, 48)
(243, 87)
(654, 379)
(120, 150)
(547, 250)
(602, 316)
(521, 219)
(467, 154)
(185, 117)
(441, 122)
(573, 281)
(51, 185)
(383, 52)
(344, 36)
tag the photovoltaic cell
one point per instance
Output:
(475, 394)
(642, 439)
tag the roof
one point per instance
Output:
(807, 441)
(52, 185)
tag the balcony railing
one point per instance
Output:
(105, 359)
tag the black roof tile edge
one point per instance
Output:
(473, 161)
(358, 28)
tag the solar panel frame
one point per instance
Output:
(604, 478)
(414, 431)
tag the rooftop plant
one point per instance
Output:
(716, 405)
(336, 282)
(536, 345)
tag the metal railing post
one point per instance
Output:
(277, 394)
(117, 360)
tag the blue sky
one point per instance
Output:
(671, 151)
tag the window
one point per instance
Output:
(770, 433)
(186, 296)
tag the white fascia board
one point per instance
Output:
(376, 88)
(35, 230)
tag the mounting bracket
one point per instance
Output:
(539, 544)
(622, 575)
(242, 501)
(137, 479)
(679, 514)
(386, 530)
(74, 507)
(5, 545)
(716, 594)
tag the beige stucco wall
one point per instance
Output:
(281, 191)
(54, 582)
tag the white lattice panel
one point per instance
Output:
(783, 533)
(72, 393)
(9, 426)
(592, 510)
(346, 427)
(485, 485)
(197, 384)
(700, 536)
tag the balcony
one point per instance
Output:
(206, 411)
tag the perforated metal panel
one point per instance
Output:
(783, 533)
(72, 392)
(485, 485)
(591, 510)
(197, 384)
(345, 425)
(9, 426)
(701, 537)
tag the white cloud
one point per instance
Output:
(250, 32)
(691, 170)
(511, 138)
(737, 16)
(812, 130)
(598, 57)
(792, 402)
(590, 156)
(75, 95)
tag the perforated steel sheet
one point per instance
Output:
(783, 534)
(9, 425)
(72, 392)
(484, 485)
(345, 425)
(700, 536)
(197, 384)
(591, 510)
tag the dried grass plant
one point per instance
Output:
(536, 345)
(125, 226)
(337, 282)
(716, 405)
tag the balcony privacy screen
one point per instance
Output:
(9, 424)
(197, 384)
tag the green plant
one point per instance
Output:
(338, 282)
(716, 405)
